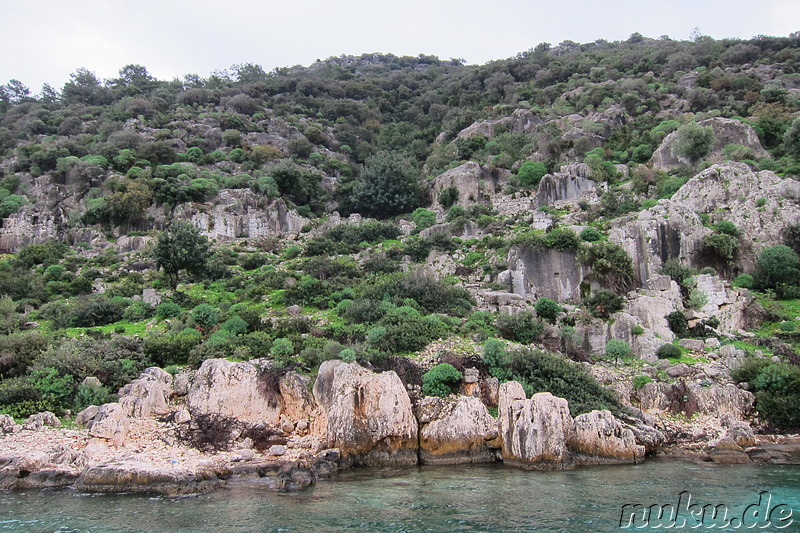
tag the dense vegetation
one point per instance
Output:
(130, 155)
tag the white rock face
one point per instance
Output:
(235, 390)
(535, 432)
(148, 395)
(602, 439)
(369, 416)
(456, 432)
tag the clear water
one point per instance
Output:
(429, 499)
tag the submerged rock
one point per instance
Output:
(138, 476)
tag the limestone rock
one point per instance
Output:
(108, 422)
(474, 183)
(39, 420)
(695, 345)
(138, 476)
(726, 451)
(535, 432)
(182, 416)
(181, 383)
(456, 432)
(297, 403)
(600, 438)
(236, 390)
(741, 433)
(6, 424)
(545, 272)
(570, 184)
(726, 131)
(148, 395)
(369, 416)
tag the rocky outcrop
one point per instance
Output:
(544, 272)
(40, 420)
(726, 131)
(692, 397)
(474, 183)
(535, 432)
(239, 390)
(456, 432)
(760, 204)
(148, 395)
(571, 184)
(239, 213)
(520, 121)
(600, 438)
(368, 416)
(669, 230)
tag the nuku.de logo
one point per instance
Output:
(684, 514)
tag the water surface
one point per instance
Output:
(427, 499)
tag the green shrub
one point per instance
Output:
(590, 234)
(235, 325)
(168, 310)
(610, 264)
(693, 141)
(541, 371)
(520, 327)
(561, 239)
(617, 350)
(668, 351)
(138, 311)
(777, 267)
(496, 359)
(677, 323)
(777, 388)
(448, 197)
(282, 350)
(637, 330)
(423, 218)
(205, 315)
(547, 309)
(530, 173)
(641, 381)
(602, 303)
(744, 281)
(676, 270)
(440, 380)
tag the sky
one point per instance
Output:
(43, 41)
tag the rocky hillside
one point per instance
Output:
(630, 206)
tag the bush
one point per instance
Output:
(590, 235)
(641, 381)
(138, 311)
(676, 270)
(168, 310)
(547, 309)
(743, 281)
(531, 173)
(777, 267)
(668, 351)
(693, 141)
(677, 323)
(520, 327)
(777, 388)
(94, 310)
(235, 325)
(617, 350)
(496, 359)
(206, 315)
(602, 303)
(610, 264)
(440, 380)
(423, 218)
(541, 371)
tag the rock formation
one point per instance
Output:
(369, 416)
(600, 438)
(456, 431)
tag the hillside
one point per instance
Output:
(596, 201)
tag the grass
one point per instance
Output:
(135, 328)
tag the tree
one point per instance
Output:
(531, 173)
(791, 139)
(182, 247)
(693, 141)
(387, 186)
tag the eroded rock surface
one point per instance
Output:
(456, 431)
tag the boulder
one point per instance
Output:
(181, 383)
(148, 395)
(600, 438)
(6, 424)
(535, 432)
(456, 431)
(138, 476)
(474, 183)
(726, 451)
(695, 345)
(571, 184)
(741, 433)
(234, 390)
(545, 272)
(368, 416)
(106, 422)
(40, 420)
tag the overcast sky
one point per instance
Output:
(45, 40)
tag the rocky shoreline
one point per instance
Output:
(195, 432)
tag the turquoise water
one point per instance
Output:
(428, 499)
